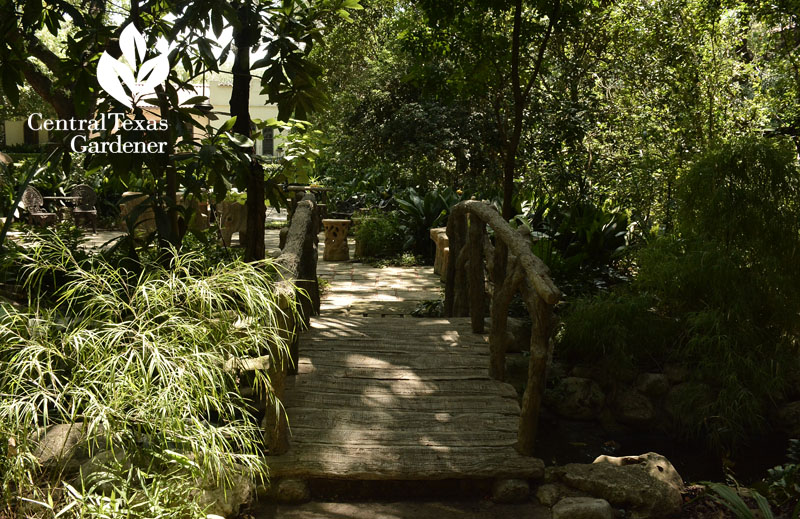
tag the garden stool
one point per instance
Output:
(439, 237)
(336, 240)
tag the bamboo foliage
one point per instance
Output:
(142, 362)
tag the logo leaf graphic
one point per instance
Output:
(131, 42)
(158, 68)
(109, 79)
(112, 74)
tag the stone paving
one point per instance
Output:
(359, 289)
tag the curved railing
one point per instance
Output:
(511, 267)
(298, 264)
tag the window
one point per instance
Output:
(268, 144)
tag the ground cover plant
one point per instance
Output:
(143, 363)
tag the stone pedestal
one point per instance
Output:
(439, 237)
(336, 240)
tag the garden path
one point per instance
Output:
(359, 289)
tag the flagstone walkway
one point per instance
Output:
(359, 289)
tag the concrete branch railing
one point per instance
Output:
(299, 299)
(512, 268)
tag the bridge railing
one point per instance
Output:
(299, 289)
(511, 267)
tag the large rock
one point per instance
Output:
(62, 445)
(510, 491)
(226, 501)
(576, 398)
(633, 408)
(551, 493)
(653, 463)
(676, 373)
(129, 205)
(628, 486)
(292, 491)
(583, 508)
(93, 471)
(653, 385)
(518, 334)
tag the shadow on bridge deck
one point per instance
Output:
(396, 398)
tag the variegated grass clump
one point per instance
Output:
(137, 358)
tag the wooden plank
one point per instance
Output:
(414, 348)
(401, 360)
(399, 387)
(409, 420)
(449, 403)
(404, 463)
(306, 368)
(355, 436)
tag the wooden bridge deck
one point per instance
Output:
(399, 399)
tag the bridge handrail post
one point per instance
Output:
(298, 264)
(515, 269)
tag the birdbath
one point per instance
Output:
(336, 240)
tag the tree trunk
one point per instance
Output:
(240, 108)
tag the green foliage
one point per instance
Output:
(578, 236)
(782, 484)
(300, 149)
(618, 331)
(733, 501)
(744, 196)
(146, 361)
(379, 235)
(729, 286)
(419, 213)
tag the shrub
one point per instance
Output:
(619, 331)
(419, 213)
(139, 358)
(378, 235)
(730, 286)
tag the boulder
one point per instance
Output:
(145, 217)
(589, 371)
(62, 444)
(653, 385)
(510, 491)
(633, 408)
(653, 463)
(627, 486)
(789, 418)
(226, 500)
(551, 493)
(576, 398)
(292, 491)
(518, 334)
(583, 508)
